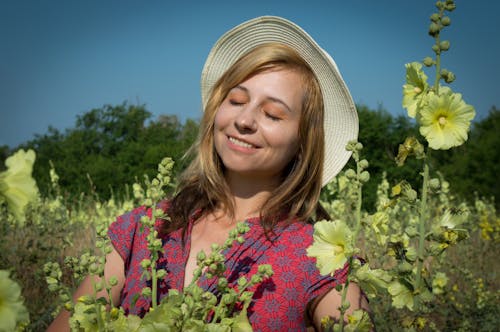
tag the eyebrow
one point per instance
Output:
(273, 99)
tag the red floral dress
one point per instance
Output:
(279, 302)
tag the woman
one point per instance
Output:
(276, 122)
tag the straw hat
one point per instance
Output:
(340, 120)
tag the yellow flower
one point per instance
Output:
(379, 223)
(454, 217)
(332, 245)
(445, 120)
(359, 321)
(411, 146)
(16, 183)
(12, 309)
(439, 282)
(401, 295)
(372, 281)
(415, 88)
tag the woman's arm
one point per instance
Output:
(329, 304)
(114, 267)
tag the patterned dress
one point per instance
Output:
(279, 303)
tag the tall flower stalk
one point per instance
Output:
(334, 246)
(150, 198)
(361, 176)
(444, 120)
(422, 232)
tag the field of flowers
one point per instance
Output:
(44, 255)
(429, 260)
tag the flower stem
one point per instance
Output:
(357, 226)
(97, 307)
(359, 201)
(154, 283)
(421, 231)
(343, 309)
(438, 57)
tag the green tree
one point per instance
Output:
(381, 135)
(109, 148)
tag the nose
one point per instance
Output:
(245, 121)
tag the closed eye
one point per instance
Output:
(272, 117)
(235, 102)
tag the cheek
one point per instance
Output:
(221, 118)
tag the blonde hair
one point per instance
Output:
(203, 187)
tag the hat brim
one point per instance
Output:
(340, 116)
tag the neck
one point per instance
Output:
(249, 194)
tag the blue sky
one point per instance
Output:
(62, 58)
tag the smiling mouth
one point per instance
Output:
(240, 143)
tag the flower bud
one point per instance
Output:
(99, 286)
(405, 267)
(351, 145)
(444, 45)
(449, 78)
(161, 273)
(433, 29)
(86, 299)
(411, 195)
(411, 231)
(359, 146)
(201, 256)
(364, 176)
(350, 174)
(93, 268)
(222, 283)
(450, 7)
(411, 254)
(428, 61)
(113, 281)
(439, 4)
(146, 291)
(434, 183)
(364, 164)
(344, 306)
(68, 306)
(242, 281)
(255, 279)
(114, 312)
(145, 263)
(435, 17)
(445, 21)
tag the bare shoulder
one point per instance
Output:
(328, 304)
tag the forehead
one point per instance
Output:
(282, 84)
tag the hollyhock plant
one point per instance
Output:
(415, 88)
(332, 245)
(445, 120)
(16, 184)
(12, 309)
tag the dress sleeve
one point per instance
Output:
(123, 231)
(319, 285)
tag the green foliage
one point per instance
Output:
(114, 153)
(110, 147)
(381, 134)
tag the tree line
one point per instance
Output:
(113, 146)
